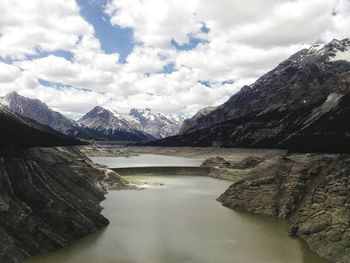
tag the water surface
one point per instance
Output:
(146, 160)
(182, 222)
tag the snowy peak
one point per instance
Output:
(43, 114)
(332, 51)
(145, 121)
(28, 107)
(97, 111)
(114, 125)
(176, 118)
(159, 125)
(340, 49)
(99, 116)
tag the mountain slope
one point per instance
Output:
(189, 124)
(40, 112)
(114, 126)
(303, 104)
(158, 125)
(25, 132)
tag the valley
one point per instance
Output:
(257, 173)
(201, 229)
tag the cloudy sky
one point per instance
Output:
(173, 56)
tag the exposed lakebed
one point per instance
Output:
(181, 222)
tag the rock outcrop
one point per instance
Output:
(230, 170)
(311, 191)
(48, 197)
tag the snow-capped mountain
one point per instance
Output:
(99, 123)
(156, 124)
(114, 125)
(22, 131)
(41, 113)
(301, 104)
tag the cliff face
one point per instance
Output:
(48, 197)
(312, 192)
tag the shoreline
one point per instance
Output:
(256, 170)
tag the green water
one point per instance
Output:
(182, 222)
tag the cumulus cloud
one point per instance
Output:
(212, 48)
(29, 26)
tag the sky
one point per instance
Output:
(173, 56)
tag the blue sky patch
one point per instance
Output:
(205, 83)
(193, 41)
(60, 86)
(58, 53)
(168, 68)
(113, 38)
(229, 81)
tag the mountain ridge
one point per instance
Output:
(301, 102)
(25, 132)
(114, 125)
(138, 125)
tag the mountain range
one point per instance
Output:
(112, 125)
(97, 124)
(303, 104)
(25, 132)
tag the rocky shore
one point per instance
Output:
(49, 197)
(311, 191)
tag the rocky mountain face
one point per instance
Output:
(101, 124)
(188, 124)
(138, 125)
(48, 197)
(302, 104)
(311, 191)
(158, 125)
(25, 132)
(41, 113)
(114, 126)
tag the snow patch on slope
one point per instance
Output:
(341, 55)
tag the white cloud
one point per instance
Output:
(8, 73)
(32, 25)
(245, 40)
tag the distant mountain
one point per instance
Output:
(156, 124)
(303, 104)
(25, 132)
(114, 126)
(139, 125)
(41, 113)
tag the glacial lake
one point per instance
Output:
(182, 222)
